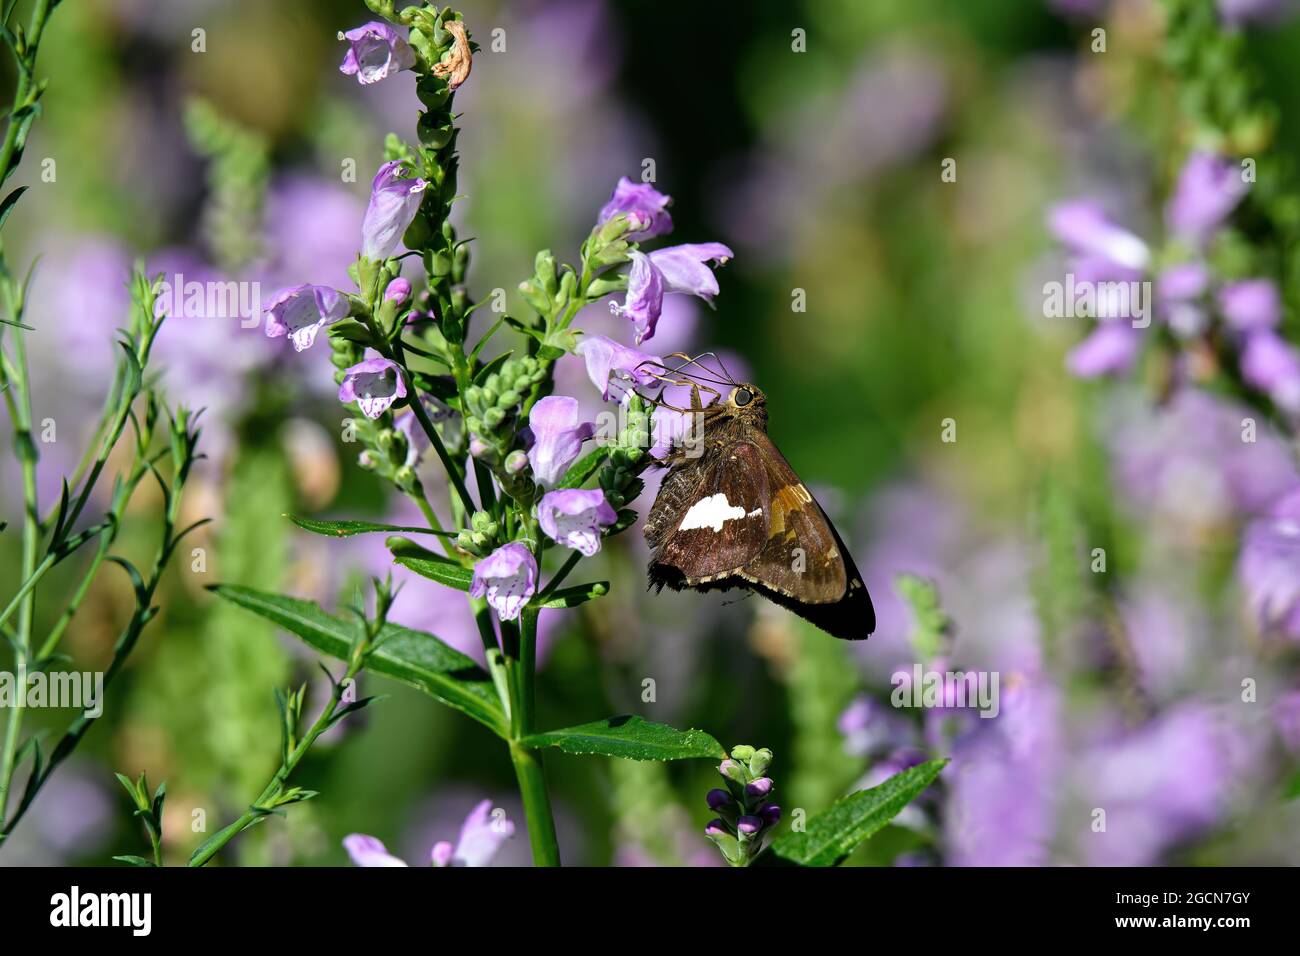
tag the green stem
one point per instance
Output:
(527, 760)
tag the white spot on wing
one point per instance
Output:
(711, 512)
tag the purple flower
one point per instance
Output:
(393, 205)
(1082, 225)
(575, 517)
(607, 361)
(1208, 189)
(643, 204)
(399, 290)
(300, 312)
(369, 851)
(557, 437)
(675, 269)
(374, 384)
(375, 51)
(507, 578)
(1286, 720)
(1110, 348)
(1272, 365)
(481, 836)
(1251, 305)
(749, 824)
(717, 798)
(1269, 566)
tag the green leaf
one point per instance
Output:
(584, 468)
(630, 737)
(345, 529)
(831, 836)
(135, 860)
(7, 204)
(414, 658)
(432, 566)
(578, 594)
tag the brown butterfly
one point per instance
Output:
(735, 514)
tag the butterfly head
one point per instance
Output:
(748, 401)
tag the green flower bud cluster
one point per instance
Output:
(551, 288)
(746, 816)
(606, 246)
(619, 476)
(491, 407)
(481, 536)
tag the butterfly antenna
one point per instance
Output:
(711, 375)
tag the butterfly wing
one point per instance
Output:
(804, 565)
(709, 519)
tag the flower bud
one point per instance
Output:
(770, 814)
(759, 788)
(748, 826)
(478, 447)
(717, 799)
(733, 771)
(399, 290)
(516, 461)
(715, 829)
(760, 761)
(742, 752)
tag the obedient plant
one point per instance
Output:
(526, 491)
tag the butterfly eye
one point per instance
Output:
(742, 397)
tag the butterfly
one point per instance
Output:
(732, 513)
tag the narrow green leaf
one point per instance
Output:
(584, 468)
(345, 529)
(7, 204)
(578, 594)
(831, 836)
(432, 566)
(135, 860)
(411, 657)
(630, 737)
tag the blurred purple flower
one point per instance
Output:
(1269, 566)
(507, 578)
(374, 384)
(311, 230)
(557, 437)
(1110, 348)
(1159, 785)
(369, 851)
(481, 836)
(1005, 780)
(576, 517)
(375, 50)
(869, 727)
(1273, 366)
(1208, 190)
(1081, 225)
(393, 205)
(607, 361)
(1251, 305)
(301, 311)
(682, 269)
(1179, 290)
(1286, 720)
(643, 204)
(1186, 460)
